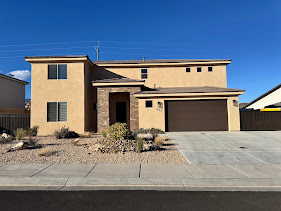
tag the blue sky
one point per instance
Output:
(246, 31)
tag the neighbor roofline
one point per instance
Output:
(13, 79)
(264, 95)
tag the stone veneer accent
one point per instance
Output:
(103, 106)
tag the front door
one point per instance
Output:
(121, 112)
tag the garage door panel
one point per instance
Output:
(196, 115)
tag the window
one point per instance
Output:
(188, 70)
(210, 69)
(199, 69)
(148, 103)
(57, 71)
(56, 111)
(143, 73)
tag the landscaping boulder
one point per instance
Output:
(145, 136)
(17, 146)
(31, 144)
(5, 136)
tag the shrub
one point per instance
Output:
(20, 133)
(32, 131)
(65, 133)
(139, 145)
(116, 131)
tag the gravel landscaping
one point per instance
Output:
(74, 151)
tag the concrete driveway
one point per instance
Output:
(236, 148)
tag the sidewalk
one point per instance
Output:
(103, 176)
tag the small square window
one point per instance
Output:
(148, 103)
(199, 69)
(210, 69)
(143, 73)
(188, 69)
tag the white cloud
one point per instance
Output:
(20, 74)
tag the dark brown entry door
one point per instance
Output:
(121, 112)
(196, 115)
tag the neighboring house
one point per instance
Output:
(173, 95)
(12, 94)
(266, 100)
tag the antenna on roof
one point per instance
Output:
(98, 50)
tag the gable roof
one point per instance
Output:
(13, 79)
(264, 95)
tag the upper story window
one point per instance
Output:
(144, 73)
(210, 69)
(188, 69)
(57, 71)
(199, 69)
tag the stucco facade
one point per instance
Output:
(89, 85)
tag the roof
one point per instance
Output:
(160, 61)
(243, 105)
(204, 89)
(66, 56)
(117, 80)
(265, 94)
(13, 79)
(274, 105)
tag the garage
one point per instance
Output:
(196, 115)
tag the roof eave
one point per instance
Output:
(223, 62)
(144, 95)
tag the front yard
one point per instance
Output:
(64, 151)
(89, 150)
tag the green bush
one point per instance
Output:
(65, 133)
(20, 133)
(116, 131)
(139, 145)
(32, 131)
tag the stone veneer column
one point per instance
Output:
(134, 110)
(102, 109)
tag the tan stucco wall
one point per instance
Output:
(233, 114)
(170, 76)
(71, 91)
(155, 116)
(12, 94)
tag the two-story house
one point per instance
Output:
(173, 95)
(12, 94)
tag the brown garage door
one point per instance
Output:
(196, 115)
